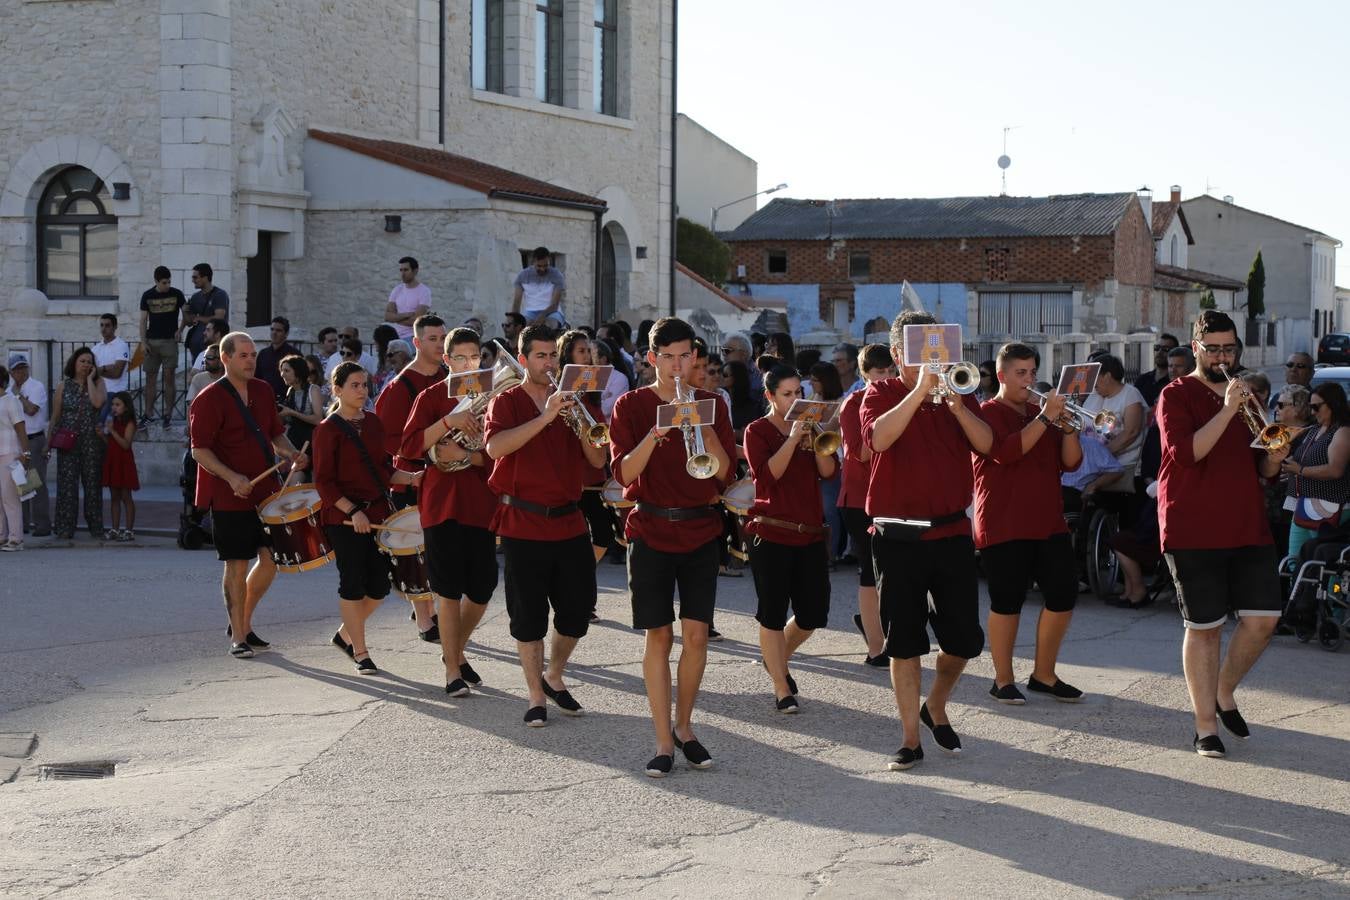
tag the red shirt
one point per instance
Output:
(1216, 502)
(214, 423)
(548, 470)
(926, 473)
(463, 496)
(1017, 496)
(794, 498)
(339, 470)
(664, 482)
(393, 407)
(855, 472)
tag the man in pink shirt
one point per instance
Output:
(408, 300)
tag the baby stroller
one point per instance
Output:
(1318, 603)
(194, 525)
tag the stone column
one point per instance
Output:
(196, 140)
(578, 55)
(428, 71)
(518, 48)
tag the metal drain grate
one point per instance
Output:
(69, 771)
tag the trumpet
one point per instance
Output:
(1270, 437)
(821, 440)
(960, 378)
(506, 374)
(1078, 417)
(699, 463)
(579, 418)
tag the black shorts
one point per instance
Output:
(544, 573)
(238, 533)
(461, 561)
(1212, 583)
(599, 518)
(791, 574)
(363, 571)
(856, 523)
(654, 574)
(1012, 566)
(907, 572)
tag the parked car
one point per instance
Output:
(1338, 374)
(1334, 349)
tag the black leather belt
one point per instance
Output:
(37, 434)
(677, 513)
(539, 509)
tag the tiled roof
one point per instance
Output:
(1163, 212)
(929, 218)
(461, 170)
(1175, 278)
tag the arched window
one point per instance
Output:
(76, 238)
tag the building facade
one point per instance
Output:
(174, 132)
(710, 173)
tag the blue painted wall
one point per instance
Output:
(869, 301)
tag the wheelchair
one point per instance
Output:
(194, 525)
(1319, 598)
(1093, 524)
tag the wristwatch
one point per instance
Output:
(1040, 417)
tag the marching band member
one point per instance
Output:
(921, 472)
(393, 406)
(235, 431)
(673, 534)
(788, 554)
(574, 348)
(352, 478)
(1215, 537)
(1019, 524)
(697, 377)
(455, 510)
(538, 471)
(875, 363)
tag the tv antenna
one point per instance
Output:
(1004, 160)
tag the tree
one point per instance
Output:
(1256, 288)
(701, 250)
(1207, 300)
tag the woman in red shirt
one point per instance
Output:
(352, 477)
(788, 554)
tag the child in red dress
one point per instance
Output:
(119, 466)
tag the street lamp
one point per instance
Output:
(716, 209)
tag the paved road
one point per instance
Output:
(289, 775)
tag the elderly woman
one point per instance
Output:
(1319, 484)
(1291, 408)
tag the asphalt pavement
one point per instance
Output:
(290, 775)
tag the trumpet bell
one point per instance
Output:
(964, 378)
(1106, 423)
(702, 465)
(1275, 437)
(598, 434)
(826, 443)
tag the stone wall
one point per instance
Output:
(468, 258)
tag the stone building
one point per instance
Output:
(302, 147)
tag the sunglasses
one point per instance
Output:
(347, 354)
(1296, 365)
(1316, 406)
(390, 355)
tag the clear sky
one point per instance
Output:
(870, 98)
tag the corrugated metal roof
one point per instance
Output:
(924, 218)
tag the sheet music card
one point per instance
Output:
(478, 381)
(584, 378)
(688, 412)
(932, 345)
(1078, 380)
(814, 411)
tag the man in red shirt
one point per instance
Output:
(673, 533)
(1212, 519)
(921, 474)
(1019, 524)
(455, 508)
(393, 406)
(538, 473)
(235, 431)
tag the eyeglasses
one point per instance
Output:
(726, 350)
(667, 357)
(508, 324)
(1292, 365)
(461, 358)
(347, 354)
(390, 355)
(211, 359)
(1216, 349)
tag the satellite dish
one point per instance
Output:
(1004, 161)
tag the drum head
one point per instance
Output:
(612, 495)
(739, 496)
(284, 504)
(400, 542)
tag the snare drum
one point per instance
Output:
(290, 516)
(739, 496)
(404, 547)
(612, 494)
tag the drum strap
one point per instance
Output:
(374, 471)
(249, 421)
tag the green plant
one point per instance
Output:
(701, 250)
(1256, 288)
(1207, 299)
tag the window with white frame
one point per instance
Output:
(488, 54)
(605, 69)
(548, 51)
(76, 238)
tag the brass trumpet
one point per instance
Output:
(506, 374)
(699, 463)
(821, 440)
(961, 378)
(581, 421)
(1270, 436)
(1078, 417)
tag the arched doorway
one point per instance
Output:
(608, 276)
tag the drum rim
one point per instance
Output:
(409, 512)
(298, 514)
(307, 566)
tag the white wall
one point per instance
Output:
(709, 173)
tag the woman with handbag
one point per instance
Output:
(1319, 485)
(13, 448)
(79, 451)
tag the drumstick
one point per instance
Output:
(392, 528)
(274, 468)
